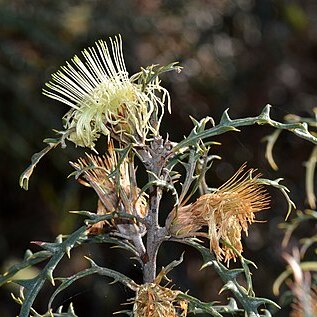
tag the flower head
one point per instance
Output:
(227, 212)
(116, 191)
(102, 97)
(154, 300)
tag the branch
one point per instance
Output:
(227, 124)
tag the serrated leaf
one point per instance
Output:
(196, 306)
(94, 269)
(95, 218)
(59, 312)
(25, 176)
(162, 184)
(51, 144)
(225, 119)
(298, 129)
(167, 269)
(150, 73)
(35, 285)
(119, 243)
(246, 298)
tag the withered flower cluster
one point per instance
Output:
(116, 189)
(226, 212)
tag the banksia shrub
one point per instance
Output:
(105, 100)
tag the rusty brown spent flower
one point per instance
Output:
(226, 212)
(115, 194)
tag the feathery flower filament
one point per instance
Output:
(102, 97)
(227, 212)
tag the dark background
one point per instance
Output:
(237, 54)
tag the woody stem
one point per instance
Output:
(152, 160)
(153, 240)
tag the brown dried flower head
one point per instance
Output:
(227, 212)
(154, 300)
(116, 193)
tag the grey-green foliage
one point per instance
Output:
(193, 154)
(244, 295)
(54, 252)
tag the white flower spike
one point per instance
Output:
(102, 97)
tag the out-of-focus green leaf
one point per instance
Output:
(271, 140)
(310, 178)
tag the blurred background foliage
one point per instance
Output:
(240, 54)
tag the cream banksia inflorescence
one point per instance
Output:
(103, 98)
(226, 212)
